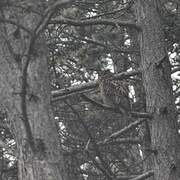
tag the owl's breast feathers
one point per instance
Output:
(114, 87)
(115, 93)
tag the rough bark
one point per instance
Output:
(144, 132)
(158, 88)
(31, 119)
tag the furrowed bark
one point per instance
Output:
(26, 96)
(159, 95)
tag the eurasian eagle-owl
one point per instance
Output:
(114, 93)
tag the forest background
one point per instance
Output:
(54, 123)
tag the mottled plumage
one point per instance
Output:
(114, 93)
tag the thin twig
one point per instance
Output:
(124, 130)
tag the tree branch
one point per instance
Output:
(106, 47)
(144, 176)
(26, 59)
(49, 14)
(122, 141)
(90, 22)
(124, 130)
(63, 93)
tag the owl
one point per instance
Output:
(114, 93)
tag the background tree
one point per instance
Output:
(134, 38)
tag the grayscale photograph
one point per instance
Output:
(89, 89)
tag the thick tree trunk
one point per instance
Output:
(144, 132)
(26, 98)
(159, 96)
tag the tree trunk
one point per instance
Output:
(25, 95)
(144, 131)
(159, 95)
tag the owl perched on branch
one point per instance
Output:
(114, 93)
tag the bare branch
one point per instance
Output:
(26, 59)
(90, 22)
(124, 130)
(141, 115)
(86, 86)
(105, 46)
(144, 176)
(48, 15)
(122, 141)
